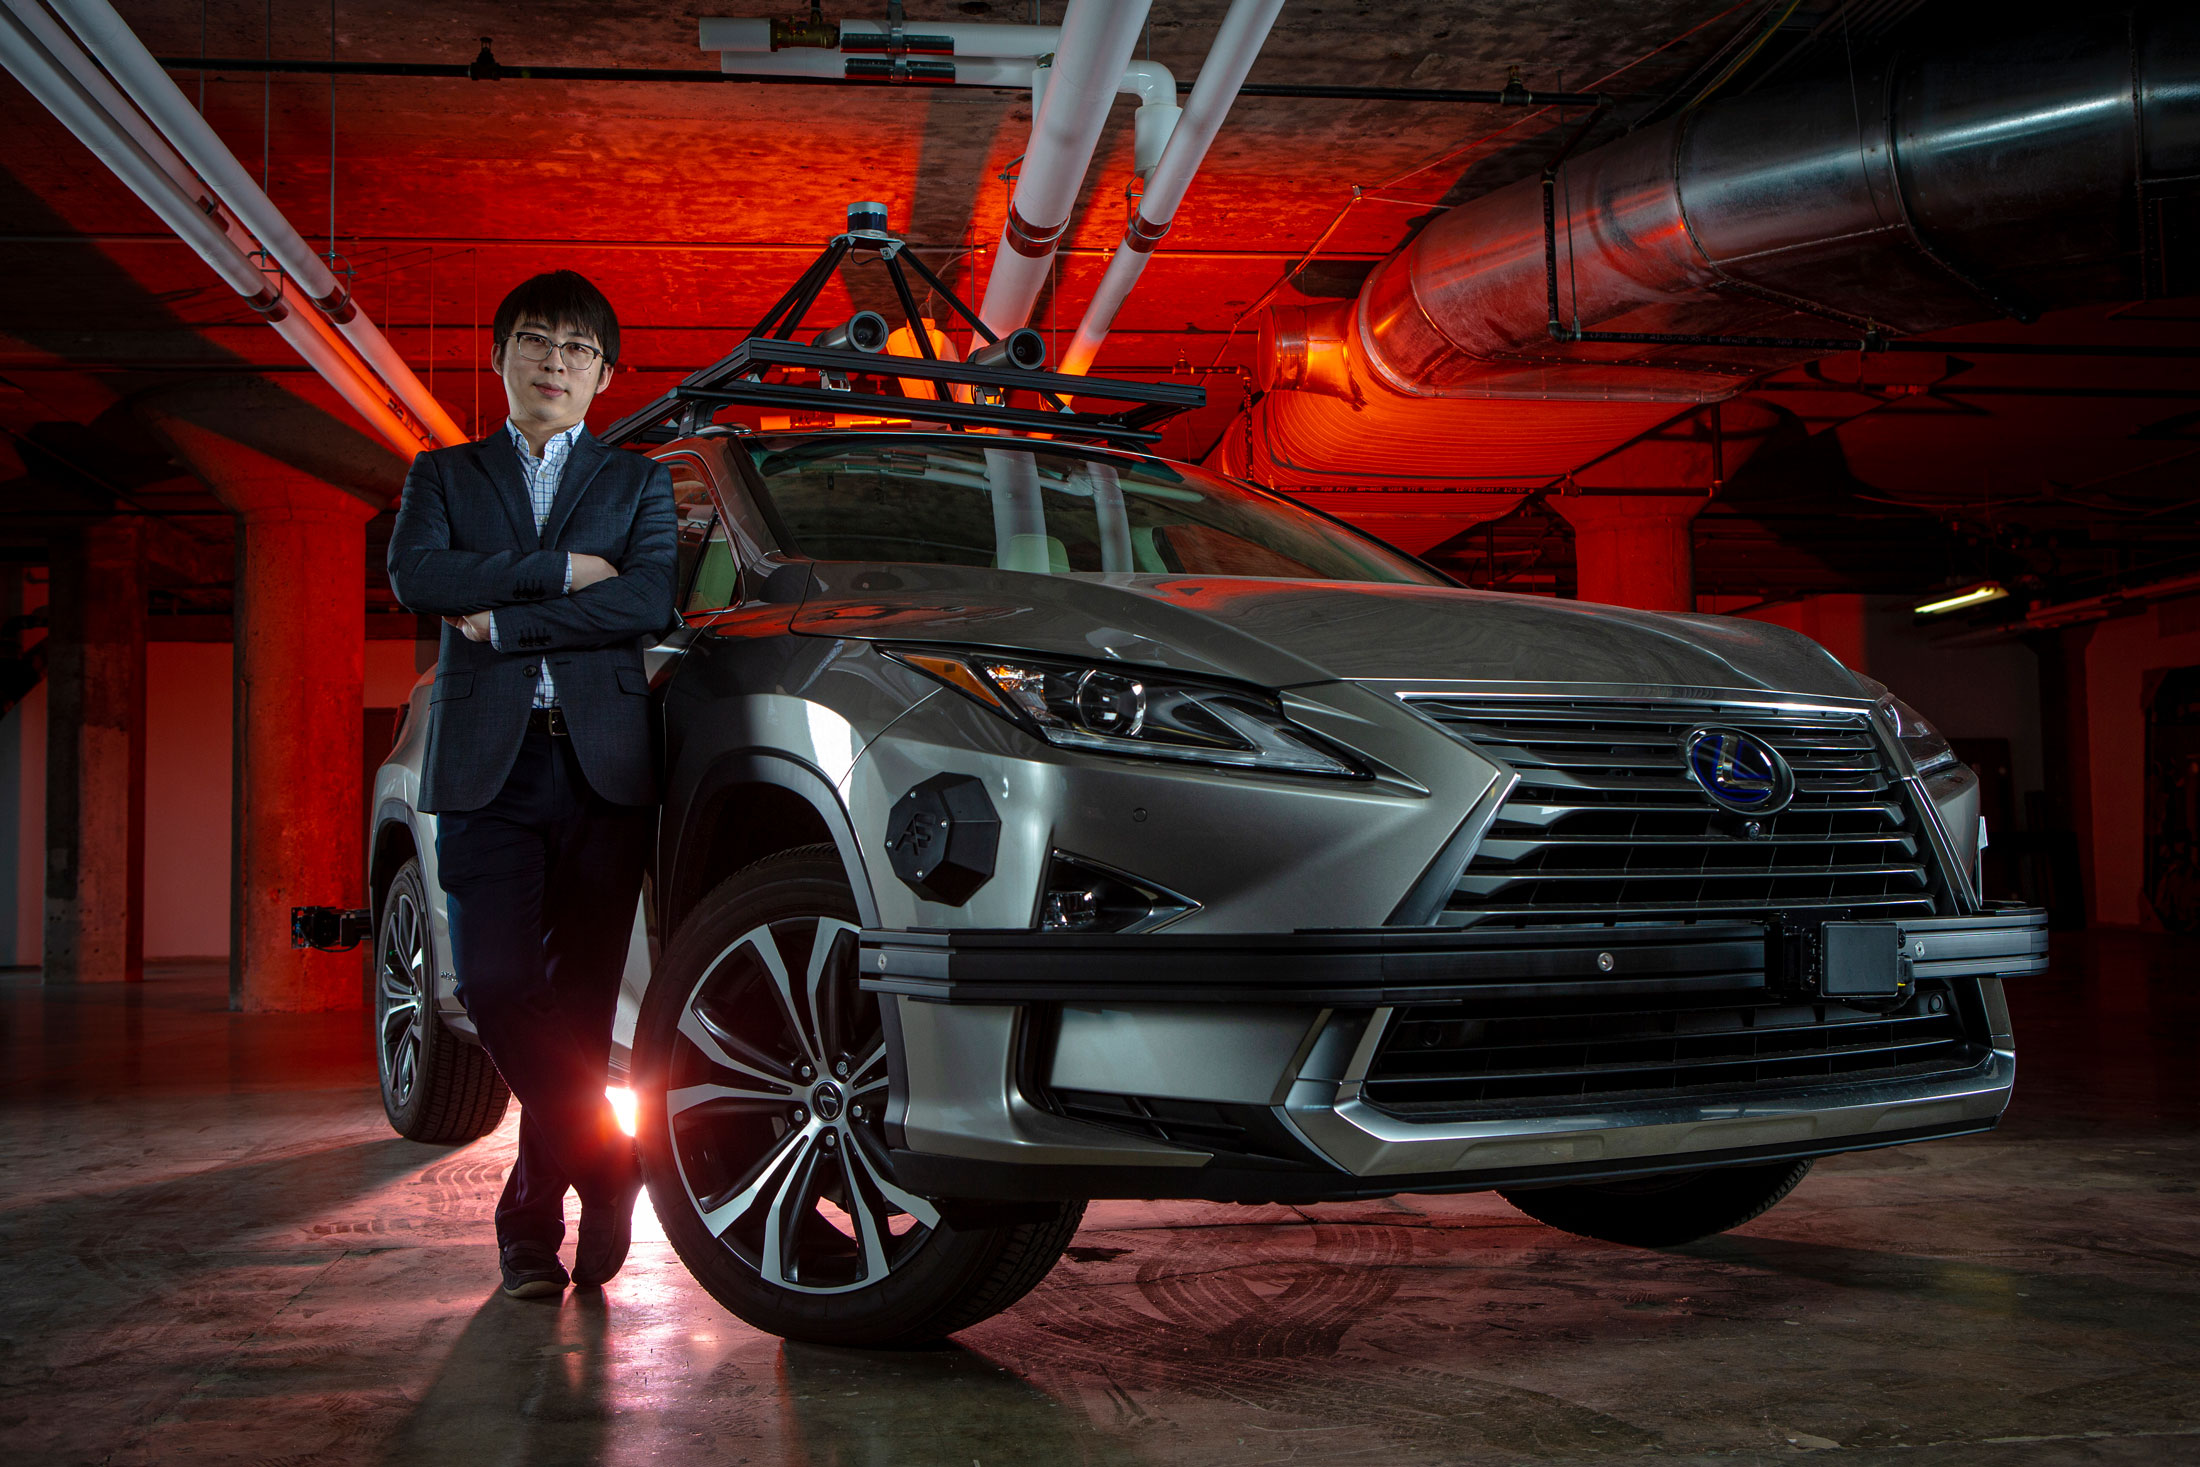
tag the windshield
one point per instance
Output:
(1049, 512)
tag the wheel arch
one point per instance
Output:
(393, 845)
(748, 806)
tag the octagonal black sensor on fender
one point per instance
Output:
(942, 838)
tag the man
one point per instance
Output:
(550, 560)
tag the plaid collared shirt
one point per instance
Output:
(542, 475)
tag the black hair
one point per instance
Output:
(560, 298)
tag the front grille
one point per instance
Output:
(1605, 824)
(1450, 1058)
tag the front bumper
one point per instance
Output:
(1236, 1068)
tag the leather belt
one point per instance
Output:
(550, 721)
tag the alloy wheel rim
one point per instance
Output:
(399, 991)
(772, 1104)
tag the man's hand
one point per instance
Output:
(589, 569)
(476, 626)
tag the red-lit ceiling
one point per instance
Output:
(693, 205)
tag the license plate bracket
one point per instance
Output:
(1861, 960)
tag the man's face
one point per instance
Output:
(549, 396)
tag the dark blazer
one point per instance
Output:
(465, 541)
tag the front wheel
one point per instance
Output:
(435, 1086)
(762, 1067)
(1660, 1212)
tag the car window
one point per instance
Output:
(706, 565)
(1048, 512)
(716, 580)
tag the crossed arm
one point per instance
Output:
(608, 602)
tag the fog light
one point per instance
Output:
(1084, 896)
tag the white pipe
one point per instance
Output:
(313, 338)
(1097, 37)
(47, 78)
(1149, 81)
(110, 39)
(1154, 83)
(320, 345)
(754, 37)
(1244, 30)
(62, 48)
(48, 81)
(970, 39)
(824, 65)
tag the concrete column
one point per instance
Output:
(1633, 549)
(95, 757)
(300, 686)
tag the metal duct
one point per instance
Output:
(1937, 190)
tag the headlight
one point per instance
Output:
(1119, 710)
(1927, 749)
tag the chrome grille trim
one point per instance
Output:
(1605, 825)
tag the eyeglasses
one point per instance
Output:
(535, 347)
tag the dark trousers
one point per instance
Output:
(542, 883)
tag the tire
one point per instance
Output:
(435, 1086)
(761, 1071)
(1660, 1212)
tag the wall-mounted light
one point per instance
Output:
(1977, 595)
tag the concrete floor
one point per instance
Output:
(212, 1249)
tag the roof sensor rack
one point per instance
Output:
(823, 376)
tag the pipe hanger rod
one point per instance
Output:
(48, 79)
(109, 38)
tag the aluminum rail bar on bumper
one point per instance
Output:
(1262, 1067)
(1386, 967)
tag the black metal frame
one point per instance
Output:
(1390, 966)
(738, 377)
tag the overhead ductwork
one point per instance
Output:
(1933, 191)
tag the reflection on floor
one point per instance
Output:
(211, 1248)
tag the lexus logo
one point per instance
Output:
(1740, 771)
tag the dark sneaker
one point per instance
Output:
(607, 1231)
(531, 1271)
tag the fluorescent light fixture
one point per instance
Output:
(1976, 596)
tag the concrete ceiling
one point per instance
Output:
(693, 205)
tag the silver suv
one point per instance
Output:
(1047, 822)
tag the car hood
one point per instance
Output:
(1282, 633)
